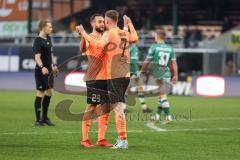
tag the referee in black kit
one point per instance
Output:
(45, 66)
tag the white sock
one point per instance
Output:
(157, 117)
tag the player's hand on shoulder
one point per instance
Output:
(45, 71)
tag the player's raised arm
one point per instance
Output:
(100, 43)
(125, 23)
(133, 32)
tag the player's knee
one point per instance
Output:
(119, 109)
(87, 115)
(49, 92)
(40, 94)
(162, 96)
(140, 89)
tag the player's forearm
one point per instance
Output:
(125, 26)
(175, 69)
(38, 60)
(92, 41)
(54, 59)
(133, 33)
(83, 46)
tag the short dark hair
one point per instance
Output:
(43, 23)
(113, 14)
(95, 15)
(160, 32)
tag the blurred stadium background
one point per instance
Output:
(205, 34)
(206, 37)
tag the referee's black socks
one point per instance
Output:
(37, 105)
(45, 104)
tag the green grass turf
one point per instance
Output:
(217, 136)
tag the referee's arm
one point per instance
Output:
(54, 65)
(37, 52)
(40, 64)
(54, 62)
(38, 60)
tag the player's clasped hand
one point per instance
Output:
(55, 69)
(45, 71)
(80, 29)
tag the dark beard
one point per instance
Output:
(99, 30)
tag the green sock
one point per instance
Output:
(159, 109)
(166, 106)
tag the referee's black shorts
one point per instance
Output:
(43, 82)
(117, 88)
(97, 92)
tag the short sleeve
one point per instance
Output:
(136, 50)
(37, 46)
(173, 56)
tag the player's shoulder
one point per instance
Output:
(154, 46)
(111, 31)
(117, 31)
(166, 47)
(37, 39)
(170, 47)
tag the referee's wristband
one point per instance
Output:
(54, 65)
(41, 67)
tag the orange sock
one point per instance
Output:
(86, 121)
(121, 126)
(85, 129)
(102, 126)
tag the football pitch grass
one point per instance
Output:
(203, 129)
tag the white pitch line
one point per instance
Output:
(203, 129)
(215, 119)
(152, 126)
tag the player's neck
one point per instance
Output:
(94, 32)
(160, 41)
(43, 35)
(112, 26)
